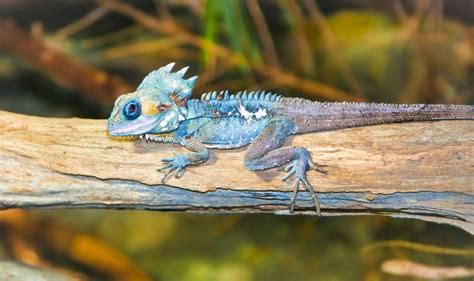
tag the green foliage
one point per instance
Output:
(369, 43)
(228, 20)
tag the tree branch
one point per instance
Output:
(410, 170)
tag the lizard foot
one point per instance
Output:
(176, 165)
(298, 168)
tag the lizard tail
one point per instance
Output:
(338, 115)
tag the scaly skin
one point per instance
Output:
(161, 110)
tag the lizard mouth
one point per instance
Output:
(138, 127)
(147, 137)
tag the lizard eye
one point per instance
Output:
(131, 110)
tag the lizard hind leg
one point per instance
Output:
(266, 152)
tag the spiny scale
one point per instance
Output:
(168, 67)
(156, 78)
(182, 71)
(253, 95)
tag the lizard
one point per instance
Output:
(162, 110)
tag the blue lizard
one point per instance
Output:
(161, 110)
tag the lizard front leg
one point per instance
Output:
(199, 154)
(266, 152)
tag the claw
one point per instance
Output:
(317, 167)
(293, 196)
(179, 173)
(166, 175)
(168, 67)
(289, 166)
(285, 178)
(164, 167)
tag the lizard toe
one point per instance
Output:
(297, 169)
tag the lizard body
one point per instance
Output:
(161, 110)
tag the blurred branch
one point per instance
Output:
(399, 10)
(81, 24)
(303, 52)
(418, 247)
(171, 29)
(412, 23)
(162, 9)
(417, 270)
(60, 66)
(142, 48)
(111, 38)
(269, 50)
(332, 47)
(210, 73)
(11, 270)
(419, 68)
(40, 233)
(397, 170)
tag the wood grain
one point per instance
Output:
(420, 170)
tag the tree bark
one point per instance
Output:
(412, 170)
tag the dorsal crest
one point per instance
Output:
(169, 82)
(244, 95)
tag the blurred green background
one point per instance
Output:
(360, 50)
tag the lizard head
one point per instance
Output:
(157, 106)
